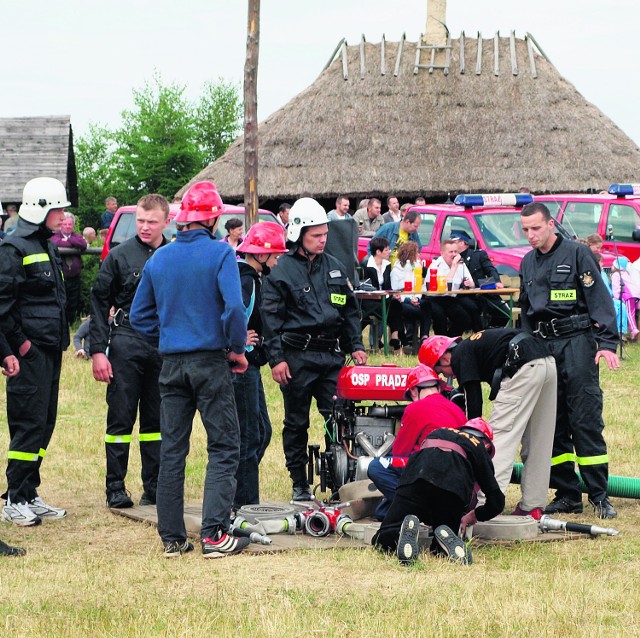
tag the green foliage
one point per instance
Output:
(163, 141)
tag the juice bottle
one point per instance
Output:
(442, 283)
(417, 277)
(433, 279)
(408, 277)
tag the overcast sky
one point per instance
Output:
(83, 58)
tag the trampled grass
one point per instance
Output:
(96, 574)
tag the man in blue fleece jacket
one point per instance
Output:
(190, 300)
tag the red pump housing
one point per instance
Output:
(387, 382)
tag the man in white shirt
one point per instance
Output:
(342, 209)
(393, 213)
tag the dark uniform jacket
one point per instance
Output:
(32, 292)
(563, 282)
(452, 472)
(251, 283)
(479, 265)
(116, 285)
(476, 359)
(309, 297)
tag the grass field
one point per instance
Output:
(96, 574)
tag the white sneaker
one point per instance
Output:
(20, 514)
(40, 508)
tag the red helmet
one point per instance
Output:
(264, 238)
(422, 376)
(200, 203)
(481, 426)
(434, 347)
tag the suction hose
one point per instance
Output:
(619, 486)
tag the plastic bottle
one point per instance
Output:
(433, 280)
(408, 277)
(417, 277)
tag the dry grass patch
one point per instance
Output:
(95, 574)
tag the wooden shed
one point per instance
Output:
(36, 147)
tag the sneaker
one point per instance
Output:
(20, 514)
(174, 549)
(43, 510)
(452, 545)
(563, 505)
(118, 499)
(226, 545)
(301, 492)
(408, 548)
(148, 498)
(535, 513)
(7, 550)
(603, 508)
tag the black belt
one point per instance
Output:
(562, 327)
(308, 342)
(121, 319)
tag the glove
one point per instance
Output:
(468, 520)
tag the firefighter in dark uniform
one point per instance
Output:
(564, 301)
(124, 360)
(479, 265)
(310, 318)
(32, 317)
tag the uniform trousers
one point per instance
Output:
(313, 375)
(32, 408)
(524, 412)
(136, 368)
(579, 425)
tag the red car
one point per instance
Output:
(123, 226)
(613, 215)
(493, 220)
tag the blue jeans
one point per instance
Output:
(255, 433)
(385, 478)
(202, 381)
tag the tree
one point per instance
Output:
(163, 141)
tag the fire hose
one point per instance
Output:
(548, 524)
(618, 486)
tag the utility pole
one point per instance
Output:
(251, 114)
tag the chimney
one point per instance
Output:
(435, 32)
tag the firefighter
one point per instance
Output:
(32, 317)
(127, 363)
(565, 302)
(259, 252)
(311, 317)
(437, 488)
(428, 411)
(522, 375)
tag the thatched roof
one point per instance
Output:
(493, 123)
(36, 147)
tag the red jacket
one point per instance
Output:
(423, 417)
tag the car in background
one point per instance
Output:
(123, 226)
(492, 220)
(613, 215)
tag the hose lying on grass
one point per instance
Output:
(619, 486)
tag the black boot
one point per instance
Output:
(117, 496)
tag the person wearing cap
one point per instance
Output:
(565, 302)
(190, 302)
(398, 233)
(437, 487)
(523, 379)
(311, 318)
(32, 318)
(127, 363)
(483, 273)
(257, 255)
(428, 411)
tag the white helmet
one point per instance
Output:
(305, 212)
(41, 195)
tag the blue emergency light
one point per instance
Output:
(494, 199)
(622, 190)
